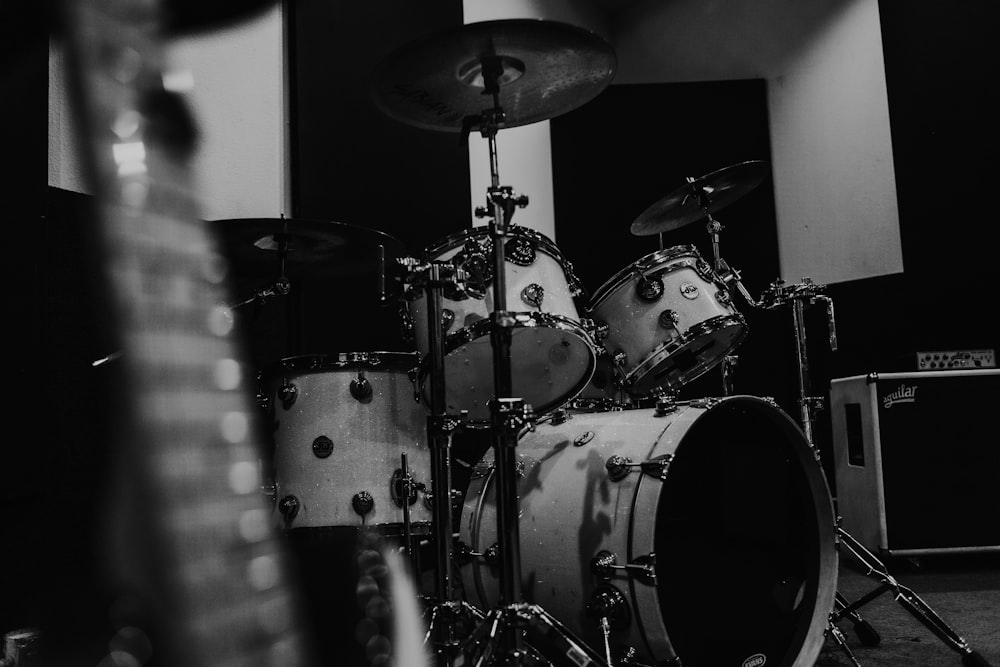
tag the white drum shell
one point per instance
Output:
(570, 510)
(708, 326)
(368, 438)
(552, 355)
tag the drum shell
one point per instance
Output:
(571, 509)
(552, 353)
(655, 354)
(368, 437)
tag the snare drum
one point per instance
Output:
(342, 424)
(706, 533)
(670, 319)
(552, 353)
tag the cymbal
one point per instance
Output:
(548, 68)
(310, 248)
(700, 197)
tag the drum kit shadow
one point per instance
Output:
(610, 523)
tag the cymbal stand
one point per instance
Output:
(801, 295)
(515, 631)
(435, 277)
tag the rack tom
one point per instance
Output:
(553, 353)
(670, 319)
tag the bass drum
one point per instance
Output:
(719, 509)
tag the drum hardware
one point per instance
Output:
(611, 609)
(619, 467)
(799, 296)
(671, 613)
(605, 564)
(440, 84)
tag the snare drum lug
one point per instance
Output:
(657, 467)
(724, 298)
(361, 388)
(620, 359)
(322, 447)
(289, 508)
(362, 503)
(287, 393)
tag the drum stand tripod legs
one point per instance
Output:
(909, 600)
(799, 296)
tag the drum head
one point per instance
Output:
(699, 350)
(744, 545)
(552, 360)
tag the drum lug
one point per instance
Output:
(362, 503)
(620, 360)
(289, 508)
(533, 294)
(619, 467)
(598, 331)
(287, 393)
(559, 416)
(401, 486)
(456, 498)
(361, 388)
(607, 602)
(724, 297)
(520, 251)
(648, 289)
(583, 439)
(665, 404)
(270, 492)
(414, 375)
(668, 319)
(604, 564)
(322, 447)
(447, 318)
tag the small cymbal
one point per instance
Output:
(307, 248)
(548, 68)
(700, 197)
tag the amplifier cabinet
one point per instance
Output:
(917, 460)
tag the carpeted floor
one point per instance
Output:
(963, 590)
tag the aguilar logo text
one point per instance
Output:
(903, 394)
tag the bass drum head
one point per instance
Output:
(745, 551)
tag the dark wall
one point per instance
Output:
(352, 164)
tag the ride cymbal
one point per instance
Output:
(700, 197)
(542, 69)
(302, 248)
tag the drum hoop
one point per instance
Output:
(642, 264)
(665, 350)
(378, 360)
(822, 503)
(522, 320)
(526, 320)
(543, 242)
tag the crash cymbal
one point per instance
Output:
(700, 197)
(548, 68)
(307, 248)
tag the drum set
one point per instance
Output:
(609, 523)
